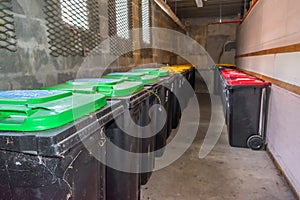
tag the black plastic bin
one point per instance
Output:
(218, 89)
(193, 77)
(57, 163)
(169, 83)
(176, 109)
(124, 185)
(160, 96)
(121, 184)
(246, 112)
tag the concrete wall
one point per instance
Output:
(32, 66)
(273, 24)
(213, 37)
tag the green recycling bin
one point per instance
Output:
(119, 184)
(46, 144)
(151, 83)
(134, 76)
(162, 91)
(152, 71)
(37, 110)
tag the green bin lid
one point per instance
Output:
(38, 110)
(116, 88)
(152, 71)
(134, 76)
(123, 89)
(84, 89)
(94, 81)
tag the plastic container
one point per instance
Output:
(108, 87)
(246, 112)
(133, 97)
(234, 75)
(162, 96)
(133, 76)
(36, 110)
(175, 89)
(217, 76)
(188, 73)
(153, 71)
(55, 163)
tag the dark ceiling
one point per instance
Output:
(211, 8)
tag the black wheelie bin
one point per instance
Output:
(47, 142)
(247, 107)
(161, 91)
(148, 135)
(123, 177)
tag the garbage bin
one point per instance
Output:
(247, 106)
(46, 140)
(119, 184)
(186, 78)
(175, 89)
(153, 71)
(161, 91)
(188, 71)
(217, 76)
(229, 74)
(152, 84)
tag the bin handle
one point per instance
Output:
(263, 112)
(15, 110)
(107, 90)
(19, 110)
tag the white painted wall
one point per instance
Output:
(271, 24)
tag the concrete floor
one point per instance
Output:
(226, 173)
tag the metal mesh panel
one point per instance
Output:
(145, 13)
(146, 21)
(120, 23)
(7, 29)
(73, 26)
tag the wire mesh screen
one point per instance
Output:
(146, 21)
(73, 26)
(7, 29)
(120, 23)
(145, 14)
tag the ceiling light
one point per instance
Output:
(199, 3)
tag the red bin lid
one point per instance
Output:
(235, 75)
(246, 81)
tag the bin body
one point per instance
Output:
(133, 97)
(159, 96)
(218, 77)
(163, 90)
(246, 109)
(56, 163)
(150, 98)
(175, 85)
(121, 184)
(169, 83)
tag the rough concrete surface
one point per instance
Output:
(226, 173)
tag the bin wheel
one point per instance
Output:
(255, 142)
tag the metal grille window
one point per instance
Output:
(120, 24)
(72, 8)
(7, 29)
(73, 26)
(122, 19)
(146, 21)
(145, 13)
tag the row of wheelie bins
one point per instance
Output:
(245, 100)
(71, 141)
